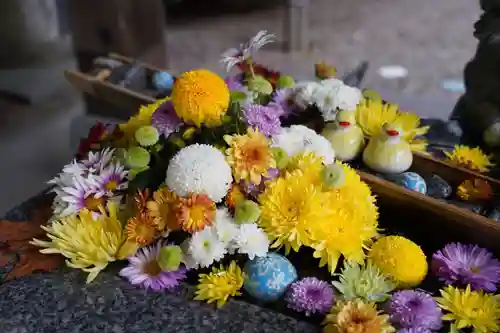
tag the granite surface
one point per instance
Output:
(61, 302)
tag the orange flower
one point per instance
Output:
(162, 209)
(234, 196)
(476, 189)
(141, 229)
(195, 212)
(140, 200)
(249, 156)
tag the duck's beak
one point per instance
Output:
(344, 123)
(391, 132)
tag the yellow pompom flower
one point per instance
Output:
(89, 243)
(351, 225)
(289, 206)
(401, 259)
(470, 309)
(220, 284)
(249, 155)
(371, 115)
(356, 317)
(200, 97)
(142, 118)
(470, 158)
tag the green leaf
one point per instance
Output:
(238, 96)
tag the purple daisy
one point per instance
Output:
(143, 270)
(111, 179)
(165, 120)
(310, 295)
(264, 118)
(414, 309)
(463, 264)
(282, 102)
(414, 330)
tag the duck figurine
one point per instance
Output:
(345, 136)
(388, 153)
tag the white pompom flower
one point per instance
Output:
(226, 229)
(199, 169)
(252, 241)
(203, 249)
(298, 139)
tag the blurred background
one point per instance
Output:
(416, 51)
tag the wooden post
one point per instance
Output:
(296, 25)
(133, 28)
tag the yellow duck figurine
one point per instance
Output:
(345, 136)
(388, 153)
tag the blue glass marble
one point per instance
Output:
(411, 181)
(267, 278)
(163, 80)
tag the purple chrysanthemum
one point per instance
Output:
(144, 270)
(414, 309)
(414, 330)
(264, 118)
(282, 101)
(254, 190)
(310, 295)
(235, 83)
(165, 120)
(463, 264)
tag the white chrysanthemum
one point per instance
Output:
(203, 249)
(348, 97)
(252, 241)
(226, 229)
(199, 169)
(298, 139)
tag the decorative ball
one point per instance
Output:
(267, 278)
(200, 97)
(411, 181)
(163, 80)
(401, 259)
(199, 169)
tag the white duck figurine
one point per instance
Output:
(345, 136)
(387, 153)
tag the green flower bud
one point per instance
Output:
(285, 81)
(237, 96)
(137, 157)
(170, 258)
(281, 157)
(261, 85)
(246, 211)
(147, 136)
(333, 176)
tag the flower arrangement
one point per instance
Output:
(217, 178)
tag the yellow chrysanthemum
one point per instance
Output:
(162, 209)
(470, 158)
(220, 284)
(195, 212)
(89, 242)
(249, 156)
(200, 97)
(356, 317)
(310, 164)
(473, 309)
(401, 259)
(371, 115)
(289, 206)
(142, 118)
(351, 225)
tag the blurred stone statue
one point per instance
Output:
(478, 110)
